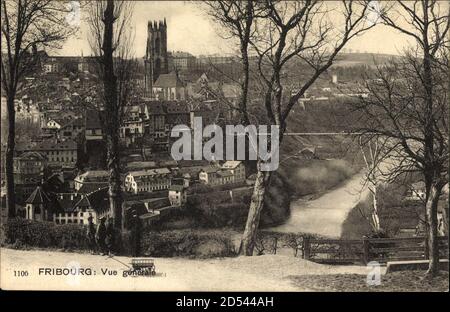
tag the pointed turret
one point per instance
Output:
(38, 197)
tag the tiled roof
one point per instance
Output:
(177, 107)
(83, 202)
(93, 120)
(98, 200)
(210, 169)
(139, 165)
(177, 188)
(168, 163)
(151, 172)
(157, 203)
(168, 81)
(89, 187)
(51, 145)
(308, 150)
(66, 201)
(149, 215)
(225, 173)
(167, 107)
(79, 122)
(156, 108)
(139, 207)
(192, 163)
(191, 170)
(48, 145)
(38, 197)
(32, 156)
(231, 164)
(94, 176)
(143, 174)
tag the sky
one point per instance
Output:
(190, 30)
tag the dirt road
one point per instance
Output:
(326, 214)
(262, 273)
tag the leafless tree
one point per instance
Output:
(300, 30)
(408, 105)
(238, 20)
(26, 26)
(111, 41)
(373, 150)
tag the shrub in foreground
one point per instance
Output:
(27, 233)
(187, 243)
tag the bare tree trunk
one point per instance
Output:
(375, 217)
(115, 195)
(445, 222)
(254, 213)
(112, 115)
(10, 192)
(432, 224)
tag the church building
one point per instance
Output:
(156, 58)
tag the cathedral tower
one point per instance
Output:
(156, 59)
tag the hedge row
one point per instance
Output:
(26, 233)
(21, 233)
(217, 209)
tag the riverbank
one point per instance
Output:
(325, 215)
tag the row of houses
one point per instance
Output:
(77, 208)
(153, 179)
(56, 153)
(150, 121)
(177, 60)
(153, 121)
(231, 172)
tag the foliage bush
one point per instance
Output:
(356, 224)
(315, 176)
(26, 233)
(187, 243)
(201, 188)
(217, 209)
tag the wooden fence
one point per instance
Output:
(370, 249)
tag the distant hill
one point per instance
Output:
(359, 59)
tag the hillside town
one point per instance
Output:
(91, 163)
(64, 157)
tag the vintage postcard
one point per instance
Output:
(282, 146)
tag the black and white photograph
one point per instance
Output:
(225, 146)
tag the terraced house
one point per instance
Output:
(58, 153)
(229, 173)
(137, 182)
(96, 177)
(28, 169)
(63, 208)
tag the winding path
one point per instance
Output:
(326, 214)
